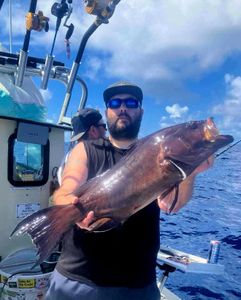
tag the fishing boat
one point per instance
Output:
(32, 150)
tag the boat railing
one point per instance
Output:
(170, 260)
(59, 73)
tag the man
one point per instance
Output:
(87, 124)
(118, 264)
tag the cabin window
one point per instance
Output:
(28, 163)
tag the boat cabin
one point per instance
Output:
(30, 155)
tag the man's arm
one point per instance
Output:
(185, 189)
(75, 174)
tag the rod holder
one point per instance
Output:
(72, 76)
(46, 71)
(23, 57)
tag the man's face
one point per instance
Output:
(97, 131)
(101, 129)
(124, 121)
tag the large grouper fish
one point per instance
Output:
(155, 166)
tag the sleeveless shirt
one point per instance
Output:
(124, 256)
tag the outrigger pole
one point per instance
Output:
(103, 11)
(23, 56)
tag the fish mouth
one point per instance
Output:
(210, 130)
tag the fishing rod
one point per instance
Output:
(228, 148)
(103, 9)
(23, 56)
(59, 10)
(33, 22)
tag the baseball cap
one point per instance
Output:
(82, 121)
(123, 87)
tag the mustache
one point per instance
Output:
(124, 114)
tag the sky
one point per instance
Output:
(184, 54)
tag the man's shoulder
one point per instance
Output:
(100, 143)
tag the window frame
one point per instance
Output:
(16, 183)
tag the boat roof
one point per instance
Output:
(47, 124)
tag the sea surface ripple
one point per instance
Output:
(214, 213)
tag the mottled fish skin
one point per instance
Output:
(154, 166)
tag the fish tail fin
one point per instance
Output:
(47, 226)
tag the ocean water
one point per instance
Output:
(214, 213)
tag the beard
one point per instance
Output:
(129, 130)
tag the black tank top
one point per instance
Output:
(123, 256)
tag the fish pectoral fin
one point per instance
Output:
(169, 199)
(103, 224)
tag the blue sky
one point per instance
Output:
(185, 54)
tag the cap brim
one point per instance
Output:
(123, 89)
(77, 136)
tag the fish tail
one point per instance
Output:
(47, 226)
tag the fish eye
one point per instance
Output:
(193, 125)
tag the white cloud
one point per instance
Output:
(95, 66)
(176, 111)
(46, 94)
(158, 44)
(177, 114)
(229, 110)
(165, 42)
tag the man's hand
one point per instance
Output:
(205, 165)
(185, 189)
(85, 223)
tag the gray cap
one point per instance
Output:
(82, 121)
(123, 87)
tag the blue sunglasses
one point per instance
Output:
(117, 102)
